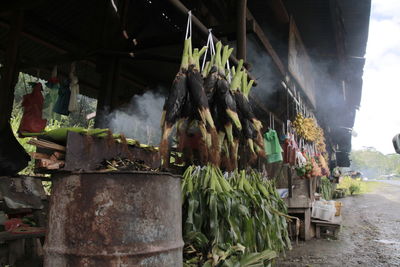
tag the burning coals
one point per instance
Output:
(124, 164)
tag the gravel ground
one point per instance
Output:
(370, 234)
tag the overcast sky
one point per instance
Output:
(378, 119)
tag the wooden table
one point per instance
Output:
(333, 225)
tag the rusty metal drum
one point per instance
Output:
(114, 219)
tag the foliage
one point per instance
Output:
(374, 164)
(235, 219)
(349, 183)
(356, 186)
(326, 188)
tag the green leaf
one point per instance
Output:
(258, 257)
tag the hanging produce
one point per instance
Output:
(308, 129)
(32, 103)
(53, 84)
(231, 218)
(210, 109)
(64, 94)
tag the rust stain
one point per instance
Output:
(115, 219)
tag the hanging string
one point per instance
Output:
(210, 45)
(229, 71)
(189, 26)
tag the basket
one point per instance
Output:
(338, 206)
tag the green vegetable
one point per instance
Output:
(231, 219)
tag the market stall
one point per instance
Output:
(244, 123)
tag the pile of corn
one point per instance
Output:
(236, 218)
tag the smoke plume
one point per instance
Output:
(140, 119)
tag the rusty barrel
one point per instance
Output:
(114, 219)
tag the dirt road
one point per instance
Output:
(370, 234)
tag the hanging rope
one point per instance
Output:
(189, 26)
(209, 46)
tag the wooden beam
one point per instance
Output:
(10, 71)
(15, 5)
(280, 11)
(109, 69)
(36, 39)
(266, 43)
(241, 30)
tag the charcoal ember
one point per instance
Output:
(124, 164)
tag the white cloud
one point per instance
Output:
(386, 8)
(379, 118)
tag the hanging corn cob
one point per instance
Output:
(175, 101)
(214, 109)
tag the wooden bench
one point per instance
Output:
(333, 226)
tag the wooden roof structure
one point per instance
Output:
(124, 47)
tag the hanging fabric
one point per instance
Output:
(32, 121)
(272, 146)
(64, 94)
(53, 84)
(74, 87)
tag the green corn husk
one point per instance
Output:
(60, 134)
(235, 218)
(206, 69)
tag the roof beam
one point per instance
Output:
(204, 30)
(266, 43)
(14, 5)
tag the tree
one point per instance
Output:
(373, 163)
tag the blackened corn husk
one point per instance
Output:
(198, 95)
(210, 83)
(173, 104)
(172, 112)
(226, 99)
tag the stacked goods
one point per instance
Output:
(53, 160)
(51, 155)
(232, 218)
(222, 115)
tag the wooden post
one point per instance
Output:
(241, 29)
(289, 174)
(9, 75)
(108, 92)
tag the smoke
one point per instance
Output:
(140, 119)
(262, 68)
